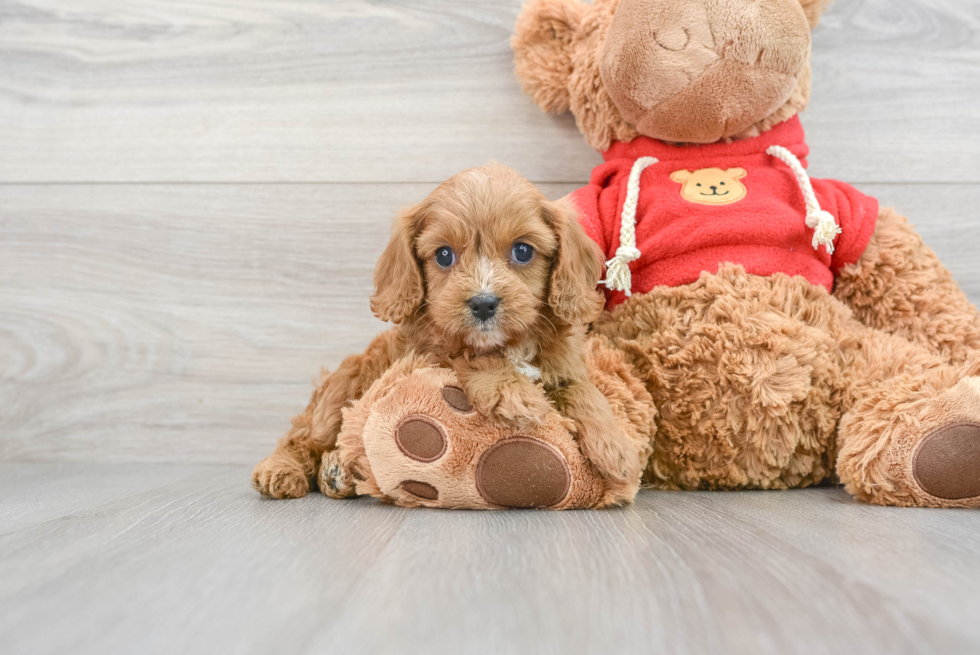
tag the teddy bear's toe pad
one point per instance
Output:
(456, 398)
(947, 462)
(425, 445)
(522, 472)
(421, 438)
(420, 489)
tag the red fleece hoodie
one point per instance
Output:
(701, 206)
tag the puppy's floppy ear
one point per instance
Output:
(577, 267)
(398, 286)
(542, 44)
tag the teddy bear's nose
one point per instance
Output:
(672, 38)
(714, 188)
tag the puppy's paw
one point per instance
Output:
(334, 479)
(615, 456)
(521, 406)
(279, 478)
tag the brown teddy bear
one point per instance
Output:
(764, 329)
(786, 328)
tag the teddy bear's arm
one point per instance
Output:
(900, 286)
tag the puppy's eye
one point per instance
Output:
(445, 257)
(522, 253)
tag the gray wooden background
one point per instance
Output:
(193, 194)
(192, 197)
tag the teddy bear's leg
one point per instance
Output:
(290, 471)
(910, 435)
(900, 286)
(415, 439)
(345, 471)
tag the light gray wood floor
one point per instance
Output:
(173, 558)
(192, 197)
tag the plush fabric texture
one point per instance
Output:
(713, 69)
(718, 66)
(481, 465)
(899, 285)
(760, 381)
(763, 230)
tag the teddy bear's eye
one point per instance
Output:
(723, 184)
(699, 184)
(445, 257)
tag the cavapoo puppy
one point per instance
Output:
(489, 278)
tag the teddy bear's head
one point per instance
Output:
(683, 71)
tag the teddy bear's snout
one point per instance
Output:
(729, 63)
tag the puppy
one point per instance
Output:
(489, 278)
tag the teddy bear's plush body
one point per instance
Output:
(764, 330)
(774, 358)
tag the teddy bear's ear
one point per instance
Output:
(681, 176)
(542, 43)
(813, 9)
(736, 173)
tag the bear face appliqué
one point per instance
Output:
(711, 186)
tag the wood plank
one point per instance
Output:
(34, 493)
(281, 90)
(205, 565)
(184, 323)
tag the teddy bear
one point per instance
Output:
(762, 329)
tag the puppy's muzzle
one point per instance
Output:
(483, 306)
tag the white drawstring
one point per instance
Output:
(618, 275)
(825, 228)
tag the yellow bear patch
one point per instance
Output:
(711, 186)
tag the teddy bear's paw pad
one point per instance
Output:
(423, 490)
(456, 398)
(522, 472)
(947, 462)
(420, 438)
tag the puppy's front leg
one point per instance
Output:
(291, 469)
(599, 437)
(501, 393)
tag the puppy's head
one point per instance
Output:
(489, 261)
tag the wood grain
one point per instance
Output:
(204, 565)
(192, 197)
(185, 323)
(290, 90)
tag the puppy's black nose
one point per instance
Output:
(483, 306)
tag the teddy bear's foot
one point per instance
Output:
(922, 454)
(425, 445)
(946, 464)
